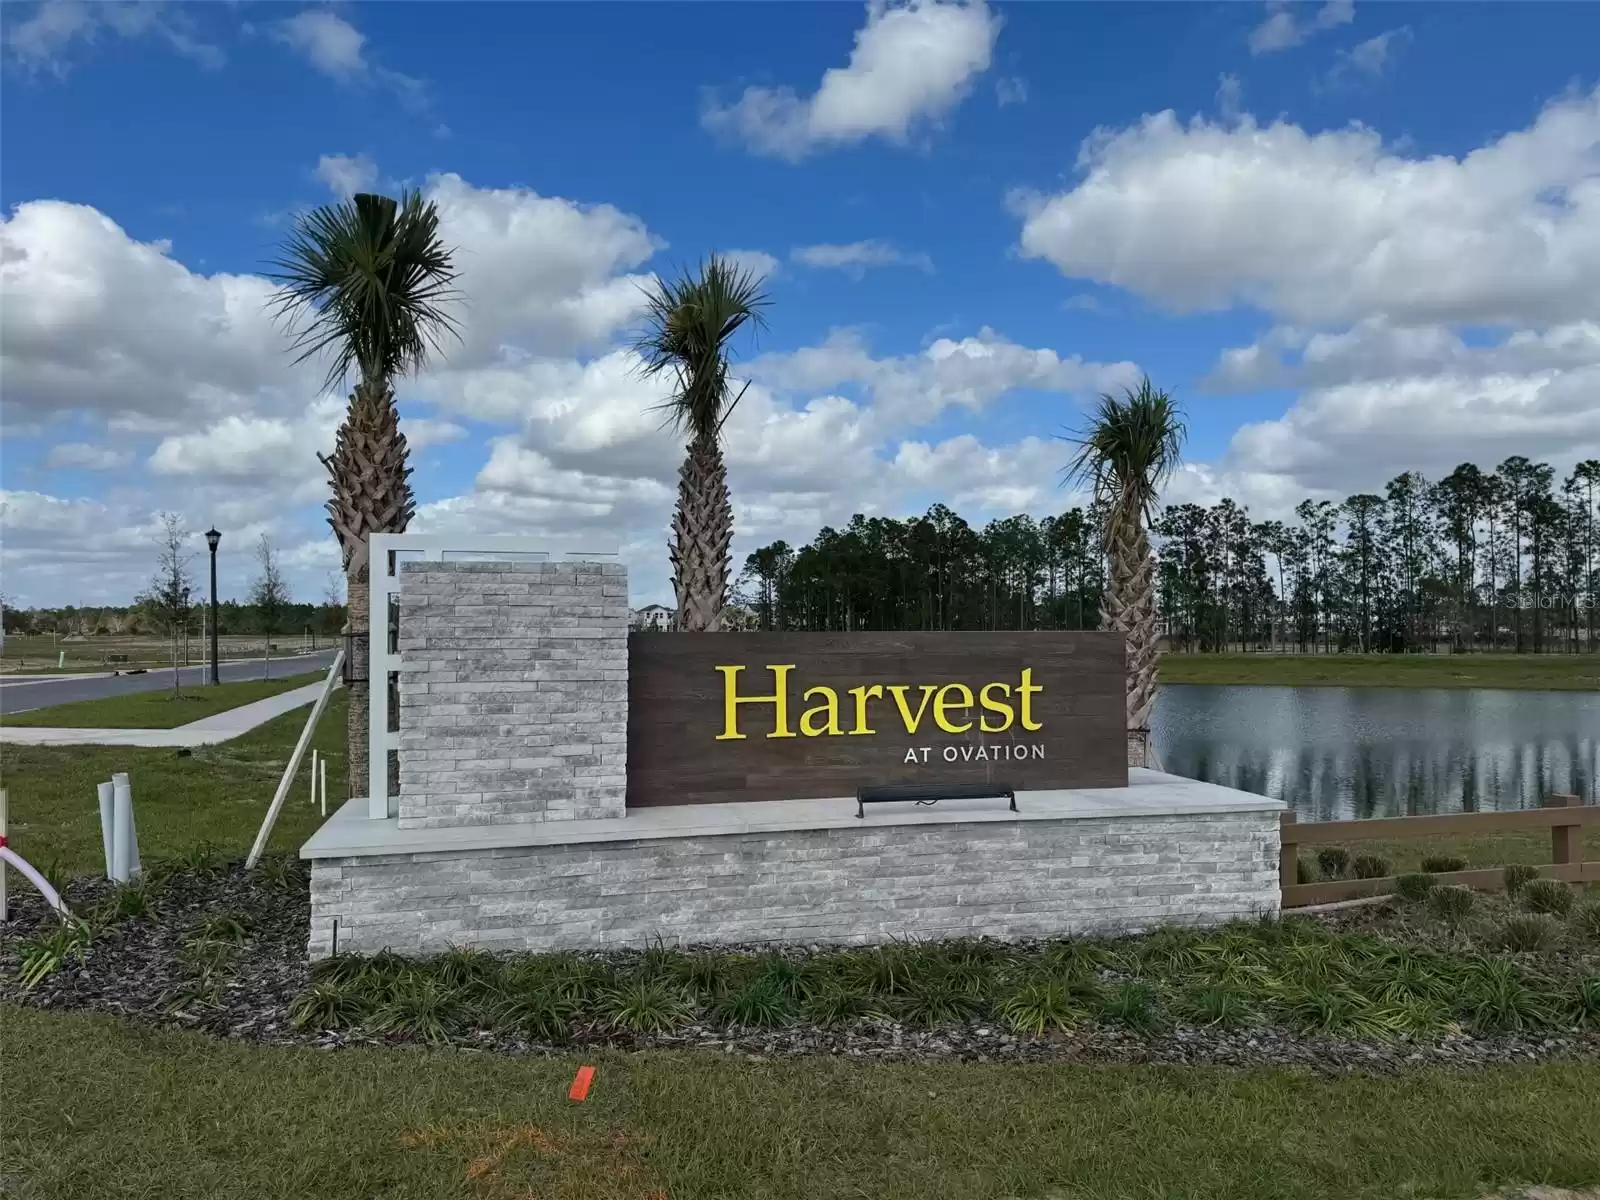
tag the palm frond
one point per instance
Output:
(370, 280)
(1129, 447)
(688, 324)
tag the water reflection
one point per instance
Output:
(1335, 753)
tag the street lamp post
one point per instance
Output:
(212, 538)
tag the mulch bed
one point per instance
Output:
(142, 970)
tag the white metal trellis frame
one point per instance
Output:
(387, 552)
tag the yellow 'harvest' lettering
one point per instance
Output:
(731, 701)
(829, 708)
(951, 703)
(941, 706)
(862, 695)
(992, 705)
(1026, 691)
(898, 691)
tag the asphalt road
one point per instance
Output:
(20, 695)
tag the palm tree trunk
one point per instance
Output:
(371, 494)
(1130, 610)
(702, 533)
(357, 702)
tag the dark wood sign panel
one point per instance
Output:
(718, 717)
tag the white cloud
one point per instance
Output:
(1010, 89)
(83, 457)
(1334, 226)
(252, 448)
(423, 432)
(96, 322)
(100, 323)
(911, 390)
(1371, 58)
(855, 257)
(551, 275)
(42, 41)
(346, 175)
(911, 63)
(330, 43)
(1283, 27)
(338, 49)
(1230, 97)
(756, 262)
(1364, 433)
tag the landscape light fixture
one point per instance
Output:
(212, 538)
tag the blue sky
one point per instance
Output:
(1352, 239)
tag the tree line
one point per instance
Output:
(1503, 559)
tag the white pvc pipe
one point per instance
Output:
(322, 766)
(107, 800)
(7, 854)
(124, 847)
(278, 796)
(313, 778)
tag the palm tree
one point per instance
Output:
(366, 279)
(1125, 453)
(688, 325)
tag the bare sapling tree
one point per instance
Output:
(166, 600)
(269, 595)
(333, 605)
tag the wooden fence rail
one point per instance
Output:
(1564, 816)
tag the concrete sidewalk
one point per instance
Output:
(220, 727)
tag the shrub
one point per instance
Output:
(1518, 876)
(423, 1008)
(133, 899)
(45, 955)
(1496, 997)
(1584, 1002)
(1586, 918)
(1547, 896)
(1040, 1006)
(1370, 866)
(1452, 903)
(760, 1004)
(1414, 886)
(220, 927)
(1335, 1008)
(1226, 1007)
(280, 872)
(1130, 1004)
(835, 1004)
(939, 999)
(1333, 861)
(202, 859)
(645, 1006)
(1443, 864)
(706, 973)
(330, 1004)
(465, 967)
(1526, 932)
(581, 980)
(536, 1011)
(1305, 871)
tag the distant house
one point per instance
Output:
(651, 616)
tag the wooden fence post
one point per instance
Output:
(1566, 841)
(1288, 852)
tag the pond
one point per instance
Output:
(1338, 753)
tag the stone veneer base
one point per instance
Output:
(1163, 850)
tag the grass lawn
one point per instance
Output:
(1490, 850)
(217, 794)
(159, 709)
(1522, 672)
(99, 1108)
